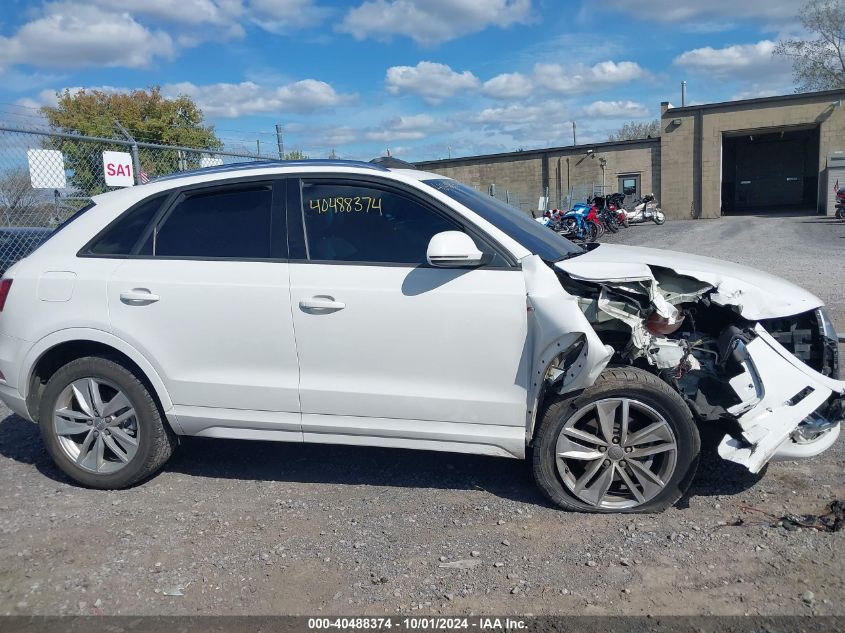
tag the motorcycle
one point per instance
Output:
(840, 204)
(580, 223)
(616, 204)
(607, 217)
(646, 209)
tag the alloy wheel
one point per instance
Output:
(96, 425)
(616, 453)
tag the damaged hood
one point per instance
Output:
(753, 293)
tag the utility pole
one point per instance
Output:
(574, 139)
(257, 147)
(280, 141)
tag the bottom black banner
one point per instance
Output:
(295, 624)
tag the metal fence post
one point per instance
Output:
(133, 150)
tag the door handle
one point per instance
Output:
(321, 302)
(138, 295)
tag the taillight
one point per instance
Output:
(5, 286)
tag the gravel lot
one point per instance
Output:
(262, 528)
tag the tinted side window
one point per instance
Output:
(121, 236)
(230, 223)
(363, 223)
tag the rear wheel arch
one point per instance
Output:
(50, 356)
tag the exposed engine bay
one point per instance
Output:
(773, 381)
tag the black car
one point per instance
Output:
(16, 242)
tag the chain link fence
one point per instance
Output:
(45, 177)
(536, 202)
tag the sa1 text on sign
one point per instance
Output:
(117, 166)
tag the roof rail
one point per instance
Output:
(263, 164)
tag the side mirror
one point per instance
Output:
(453, 249)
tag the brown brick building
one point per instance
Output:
(711, 159)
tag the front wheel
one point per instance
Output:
(102, 426)
(626, 444)
(591, 231)
(659, 217)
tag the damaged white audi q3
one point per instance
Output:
(374, 304)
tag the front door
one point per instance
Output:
(389, 346)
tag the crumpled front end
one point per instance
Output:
(786, 408)
(770, 375)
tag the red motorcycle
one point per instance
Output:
(615, 203)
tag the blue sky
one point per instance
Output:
(421, 77)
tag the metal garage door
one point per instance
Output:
(768, 171)
(769, 174)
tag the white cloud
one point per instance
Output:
(616, 110)
(579, 79)
(434, 82)
(194, 12)
(72, 35)
(740, 61)
(228, 100)
(508, 86)
(516, 113)
(432, 21)
(285, 16)
(673, 11)
(406, 128)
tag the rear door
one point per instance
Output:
(205, 298)
(390, 347)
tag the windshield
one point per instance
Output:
(538, 239)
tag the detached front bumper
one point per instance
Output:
(787, 410)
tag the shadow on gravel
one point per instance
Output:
(21, 441)
(357, 465)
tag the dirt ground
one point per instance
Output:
(262, 528)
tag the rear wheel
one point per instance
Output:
(626, 444)
(102, 426)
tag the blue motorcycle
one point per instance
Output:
(576, 224)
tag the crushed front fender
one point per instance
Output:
(558, 324)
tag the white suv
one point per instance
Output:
(352, 303)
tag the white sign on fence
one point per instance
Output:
(117, 167)
(46, 169)
(542, 204)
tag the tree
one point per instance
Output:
(20, 204)
(636, 130)
(296, 155)
(147, 114)
(818, 63)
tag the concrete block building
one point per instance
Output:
(710, 160)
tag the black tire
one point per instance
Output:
(635, 384)
(156, 438)
(659, 219)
